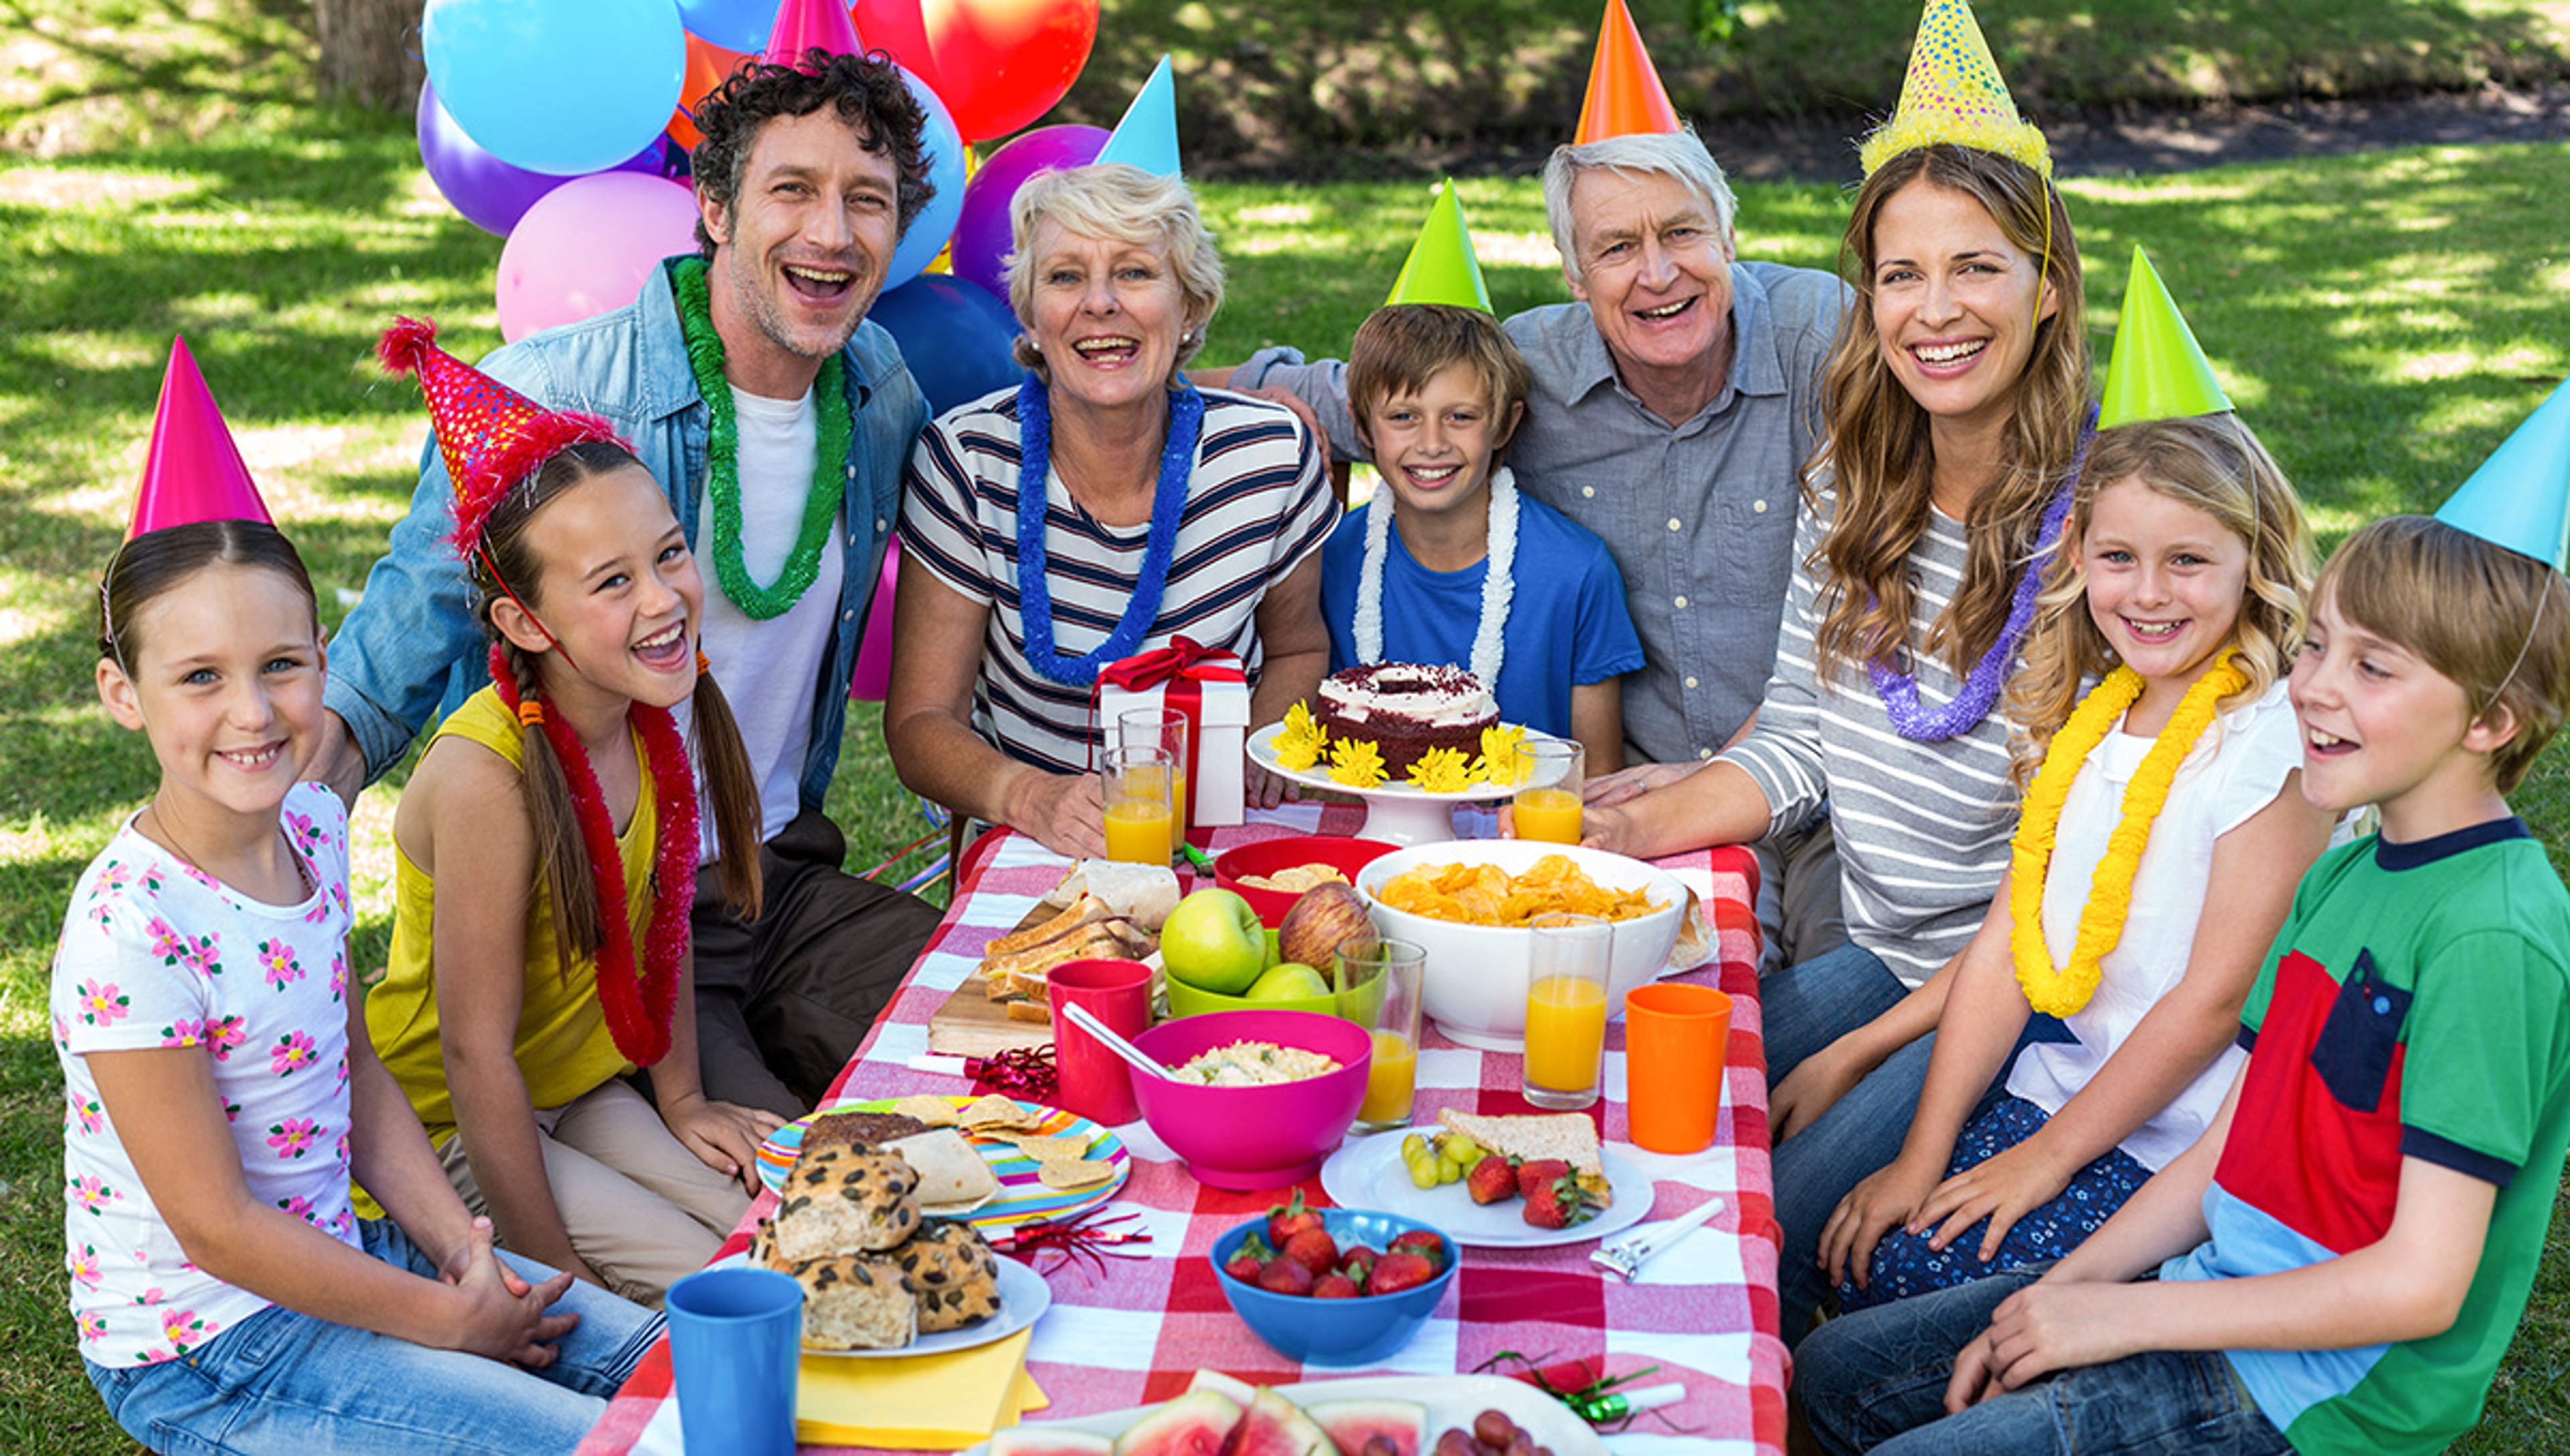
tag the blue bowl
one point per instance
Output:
(1357, 1331)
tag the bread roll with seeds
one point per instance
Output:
(856, 1302)
(841, 1200)
(954, 1275)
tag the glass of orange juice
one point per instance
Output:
(1550, 775)
(1566, 1033)
(1161, 728)
(1378, 984)
(1141, 821)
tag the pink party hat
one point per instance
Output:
(193, 470)
(491, 436)
(804, 24)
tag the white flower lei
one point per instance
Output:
(1498, 580)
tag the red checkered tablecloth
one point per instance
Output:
(1705, 1311)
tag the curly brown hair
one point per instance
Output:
(869, 95)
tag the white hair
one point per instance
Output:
(1679, 154)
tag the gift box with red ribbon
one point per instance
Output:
(1209, 687)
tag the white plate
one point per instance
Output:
(1452, 1400)
(1023, 1297)
(1262, 750)
(1369, 1174)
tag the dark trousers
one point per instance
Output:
(783, 1000)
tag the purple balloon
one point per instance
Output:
(982, 233)
(491, 193)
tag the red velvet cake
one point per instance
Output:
(1404, 709)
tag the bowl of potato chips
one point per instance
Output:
(1468, 903)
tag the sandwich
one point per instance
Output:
(1568, 1136)
(1142, 893)
(1014, 967)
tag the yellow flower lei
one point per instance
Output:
(2060, 991)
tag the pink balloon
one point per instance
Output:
(587, 246)
(873, 678)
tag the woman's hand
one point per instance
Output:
(1887, 1197)
(1607, 790)
(1813, 1089)
(723, 1137)
(2004, 1187)
(499, 1316)
(1066, 813)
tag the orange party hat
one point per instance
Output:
(1625, 96)
(193, 470)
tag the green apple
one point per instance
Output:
(1288, 982)
(1215, 942)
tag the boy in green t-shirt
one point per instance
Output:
(2343, 1255)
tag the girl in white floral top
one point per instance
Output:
(218, 1105)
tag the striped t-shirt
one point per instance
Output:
(1922, 828)
(1258, 503)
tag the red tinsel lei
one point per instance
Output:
(639, 1005)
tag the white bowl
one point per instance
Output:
(1475, 980)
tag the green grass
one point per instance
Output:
(2384, 320)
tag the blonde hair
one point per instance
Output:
(1402, 347)
(1678, 155)
(2214, 464)
(2493, 621)
(1878, 444)
(1122, 203)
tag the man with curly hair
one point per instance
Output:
(778, 421)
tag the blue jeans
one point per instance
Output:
(1876, 1381)
(292, 1384)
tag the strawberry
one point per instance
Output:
(1556, 1204)
(1356, 1259)
(1243, 1268)
(1334, 1287)
(1491, 1180)
(1398, 1270)
(1286, 1220)
(1424, 1244)
(1315, 1249)
(1540, 1170)
(1285, 1276)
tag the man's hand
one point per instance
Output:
(1608, 789)
(337, 762)
(1063, 812)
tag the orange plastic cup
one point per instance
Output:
(1676, 1038)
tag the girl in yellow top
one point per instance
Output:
(555, 815)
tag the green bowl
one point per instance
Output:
(1187, 1000)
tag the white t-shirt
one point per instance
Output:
(155, 954)
(2236, 769)
(769, 669)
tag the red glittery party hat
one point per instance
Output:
(491, 436)
(193, 470)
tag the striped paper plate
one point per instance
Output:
(1022, 1198)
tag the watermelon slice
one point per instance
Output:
(1046, 1442)
(1275, 1426)
(1240, 1391)
(1349, 1422)
(1199, 1423)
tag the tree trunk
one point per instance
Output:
(370, 51)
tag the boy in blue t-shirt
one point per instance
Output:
(2345, 1255)
(1450, 564)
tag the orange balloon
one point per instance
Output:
(709, 66)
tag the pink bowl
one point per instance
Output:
(1266, 857)
(1250, 1138)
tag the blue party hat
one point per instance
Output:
(1148, 137)
(2520, 496)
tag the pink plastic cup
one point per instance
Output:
(1091, 1080)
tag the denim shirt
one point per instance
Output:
(412, 647)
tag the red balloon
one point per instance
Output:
(997, 64)
(895, 26)
(709, 66)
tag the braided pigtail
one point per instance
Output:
(732, 788)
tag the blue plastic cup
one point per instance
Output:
(735, 1339)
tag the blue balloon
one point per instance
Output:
(490, 192)
(560, 86)
(734, 25)
(944, 148)
(954, 335)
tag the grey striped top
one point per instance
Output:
(1922, 828)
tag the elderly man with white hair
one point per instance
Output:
(1674, 406)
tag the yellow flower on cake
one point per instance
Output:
(1357, 763)
(1299, 743)
(1498, 765)
(1440, 771)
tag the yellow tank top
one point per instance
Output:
(563, 1049)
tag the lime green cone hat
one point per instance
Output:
(2158, 371)
(2520, 496)
(1954, 94)
(1442, 268)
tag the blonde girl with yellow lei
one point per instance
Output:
(2161, 840)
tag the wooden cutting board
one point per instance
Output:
(970, 1024)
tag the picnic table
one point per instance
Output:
(1137, 1330)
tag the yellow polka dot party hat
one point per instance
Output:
(1954, 94)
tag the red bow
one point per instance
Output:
(1184, 657)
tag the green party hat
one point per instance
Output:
(2520, 496)
(1954, 94)
(2158, 371)
(1442, 268)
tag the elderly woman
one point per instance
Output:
(1164, 511)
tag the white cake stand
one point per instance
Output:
(1397, 813)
